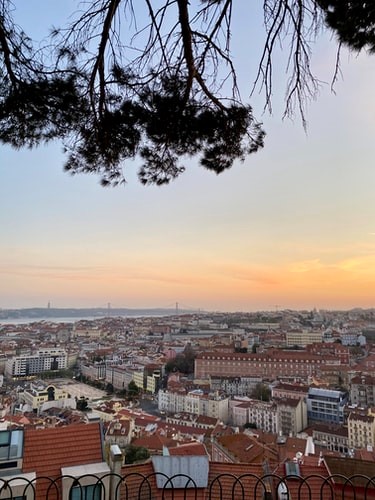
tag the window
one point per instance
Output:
(11, 444)
(90, 492)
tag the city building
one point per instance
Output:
(259, 414)
(40, 395)
(326, 405)
(362, 390)
(361, 429)
(291, 416)
(302, 338)
(28, 365)
(234, 386)
(196, 401)
(270, 365)
(331, 437)
(290, 391)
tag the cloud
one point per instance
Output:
(306, 266)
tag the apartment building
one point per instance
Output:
(361, 429)
(32, 364)
(326, 405)
(87, 331)
(262, 414)
(120, 376)
(94, 371)
(362, 390)
(331, 437)
(234, 386)
(291, 416)
(289, 391)
(271, 364)
(196, 402)
(302, 338)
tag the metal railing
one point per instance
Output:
(155, 486)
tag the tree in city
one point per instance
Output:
(133, 390)
(262, 392)
(134, 454)
(82, 404)
(183, 362)
(127, 79)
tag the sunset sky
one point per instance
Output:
(291, 227)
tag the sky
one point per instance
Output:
(293, 226)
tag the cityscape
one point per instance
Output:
(187, 253)
(277, 392)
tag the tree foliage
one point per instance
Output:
(134, 454)
(262, 392)
(353, 22)
(133, 390)
(130, 79)
(183, 362)
(82, 404)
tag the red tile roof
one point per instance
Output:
(46, 451)
(229, 481)
(192, 449)
(247, 449)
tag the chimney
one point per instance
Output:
(116, 459)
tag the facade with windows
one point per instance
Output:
(291, 416)
(261, 414)
(326, 405)
(234, 386)
(39, 393)
(268, 365)
(302, 338)
(361, 429)
(29, 365)
(362, 390)
(195, 402)
(331, 437)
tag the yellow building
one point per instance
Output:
(40, 393)
(303, 338)
(361, 429)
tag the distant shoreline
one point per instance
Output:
(8, 316)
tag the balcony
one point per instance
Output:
(159, 486)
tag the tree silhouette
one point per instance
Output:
(129, 79)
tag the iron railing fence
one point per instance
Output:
(155, 486)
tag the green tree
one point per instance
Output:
(133, 390)
(135, 454)
(82, 404)
(262, 392)
(183, 362)
(127, 78)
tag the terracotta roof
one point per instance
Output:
(192, 449)
(247, 449)
(154, 442)
(229, 481)
(310, 483)
(46, 451)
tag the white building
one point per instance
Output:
(196, 402)
(261, 414)
(31, 364)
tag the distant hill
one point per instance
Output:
(35, 313)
